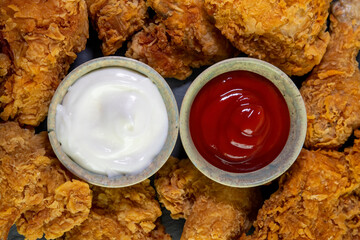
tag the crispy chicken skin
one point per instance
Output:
(182, 37)
(116, 20)
(332, 91)
(289, 34)
(318, 198)
(40, 38)
(35, 192)
(153, 46)
(212, 210)
(122, 213)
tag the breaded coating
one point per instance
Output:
(152, 46)
(5, 64)
(332, 91)
(116, 21)
(36, 193)
(128, 213)
(211, 210)
(287, 33)
(41, 39)
(318, 198)
(182, 38)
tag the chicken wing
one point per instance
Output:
(116, 21)
(289, 34)
(318, 198)
(212, 210)
(182, 37)
(35, 192)
(332, 91)
(40, 38)
(122, 213)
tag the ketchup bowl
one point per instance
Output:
(243, 122)
(113, 121)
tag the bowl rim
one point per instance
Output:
(122, 180)
(298, 123)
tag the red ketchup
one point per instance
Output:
(239, 121)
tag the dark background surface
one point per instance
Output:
(173, 227)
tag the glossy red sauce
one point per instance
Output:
(239, 121)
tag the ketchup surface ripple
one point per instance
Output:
(239, 121)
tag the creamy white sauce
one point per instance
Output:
(112, 121)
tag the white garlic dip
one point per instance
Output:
(112, 121)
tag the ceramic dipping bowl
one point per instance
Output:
(294, 142)
(122, 180)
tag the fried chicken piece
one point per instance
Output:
(152, 46)
(122, 213)
(211, 210)
(35, 192)
(182, 37)
(287, 33)
(332, 91)
(41, 39)
(116, 20)
(318, 198)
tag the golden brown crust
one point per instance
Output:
(36, 192)
(332, 91)
(41, 38)
(152, 46)
(318, 198)
(182, 37)
(122, 213)
(289, 34)
(210, 219)
(116, 20)
(212, 210)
